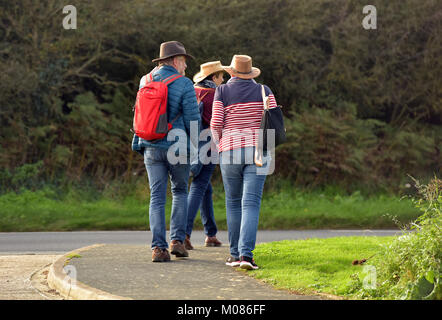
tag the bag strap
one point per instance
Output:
(171, 79)
(177, 116)
(258, 157)
(149, 77)
(204, 88)
(265, 100)
(200, 98)
(167, 81)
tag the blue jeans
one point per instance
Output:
(200, 197)
(158, 169)
(243, 187)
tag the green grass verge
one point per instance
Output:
(316, 265)
(49, 210)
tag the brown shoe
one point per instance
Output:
(213, 242)
(160, 255)
(177, 248)
(187, 243)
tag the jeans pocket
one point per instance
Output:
(151, 155)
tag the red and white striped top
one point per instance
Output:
(237, 125)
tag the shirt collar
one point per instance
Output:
(237, 79)
(207, 84)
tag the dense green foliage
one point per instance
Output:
(410, 266)
(363, 107)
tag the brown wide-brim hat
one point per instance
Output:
(206, 69)
(171, 49)
(241, 67)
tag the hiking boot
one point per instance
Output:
(247, 263)
(213, 242)
(177, 248)
(187, 243)
(233, 262)
(160, 255)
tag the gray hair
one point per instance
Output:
(168, 61)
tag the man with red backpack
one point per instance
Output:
(182, 109)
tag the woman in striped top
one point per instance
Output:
(236, 118)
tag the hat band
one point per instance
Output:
(236, 71)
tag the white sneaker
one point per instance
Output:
(233, 262)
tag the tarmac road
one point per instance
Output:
(62, 242)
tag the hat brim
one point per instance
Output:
(173, 55)
(252, 74)
(201, 76)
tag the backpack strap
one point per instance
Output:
(204, 88)
(168, 81)
(177, 116)
(200, 98)
(149, 78)
(171, 79)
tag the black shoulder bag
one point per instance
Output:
(272, 119)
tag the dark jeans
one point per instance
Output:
(200, 194)
(200, 197)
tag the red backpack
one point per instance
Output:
(150, 118)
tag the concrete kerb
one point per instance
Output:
(72, 289)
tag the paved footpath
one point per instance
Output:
(123, 266)
(21, 279)
(128, 271)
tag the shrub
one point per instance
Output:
(26, 176)
(410, 267)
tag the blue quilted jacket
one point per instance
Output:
(181, 99)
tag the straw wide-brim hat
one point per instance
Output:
(206, 69)
(171, 49)
(241, 67)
